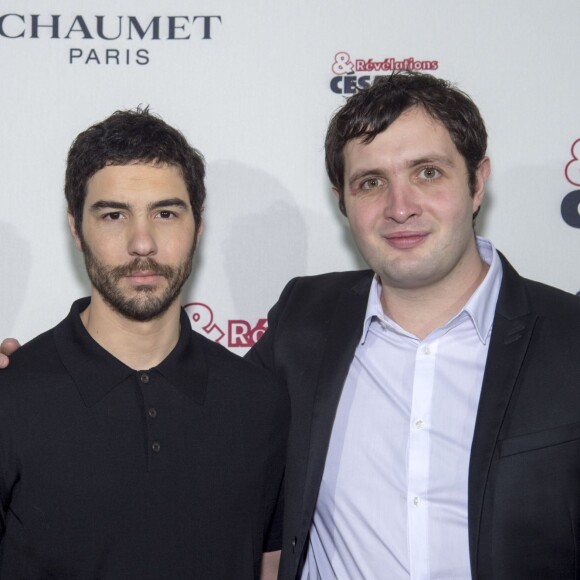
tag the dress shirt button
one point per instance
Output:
(152, 412)
(156, 447)
(144, 378)
(416, 501)
(419, 424)
(426, 350)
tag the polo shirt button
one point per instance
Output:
(144, 378)
(152, 412)
(156, 447)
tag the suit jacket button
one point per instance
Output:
(294, 542)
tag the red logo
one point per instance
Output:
(343, 64)
(352, 75)
(573, 166)
(240, 333)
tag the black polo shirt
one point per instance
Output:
(110, 473)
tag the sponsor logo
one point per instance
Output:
(351, 75)
(104, 40)
(237, 333)
(570, 207)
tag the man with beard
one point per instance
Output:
(130, 446)
(435, 402)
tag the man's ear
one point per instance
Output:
(340, 199)
(199, 224)
(481, 176)
(73, 231)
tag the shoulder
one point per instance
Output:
(519, 295)
(553, 303)
(230, 370)
(27, 385)
(332, 282)
(312, 295)
(305, 312)
(36, 357)
(248, 398)
(550, 296)
(556, 313)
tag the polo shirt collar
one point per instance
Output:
(185, 367)
(96, 372)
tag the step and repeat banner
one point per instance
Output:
(253, 85)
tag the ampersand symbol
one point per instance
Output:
(201, 319)
(342, 64)
(573, 166)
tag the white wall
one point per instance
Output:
(255, 98)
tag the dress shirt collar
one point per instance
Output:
(96, 372)
(480, 307)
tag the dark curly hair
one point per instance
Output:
(125, 138)
(372, 110)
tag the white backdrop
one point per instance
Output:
(251, 85)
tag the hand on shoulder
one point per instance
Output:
(7, 347)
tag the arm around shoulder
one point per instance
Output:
(7, 347)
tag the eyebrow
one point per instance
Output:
(171, 202)
(106, 204)
(441, 159)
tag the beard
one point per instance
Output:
(145, 305)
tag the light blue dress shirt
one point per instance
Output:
(393, 499)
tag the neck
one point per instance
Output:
(139, 345)
(421, 310)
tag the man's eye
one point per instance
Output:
(429, 173)
(113, 216)
(166, 214)
(371, 183)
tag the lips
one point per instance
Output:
(147, 270)
(140, 274)
(406, 240)
(144, 277)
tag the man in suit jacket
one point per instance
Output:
(436, 397)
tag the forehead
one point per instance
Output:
(137, 182)
(413, 135)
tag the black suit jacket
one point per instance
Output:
(524, 475)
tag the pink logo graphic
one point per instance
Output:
(391, 64)
(573, 166)
(342, 64)
(240, 333)
(352, 75)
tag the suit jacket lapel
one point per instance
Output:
(512, 330)
(344, 332)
